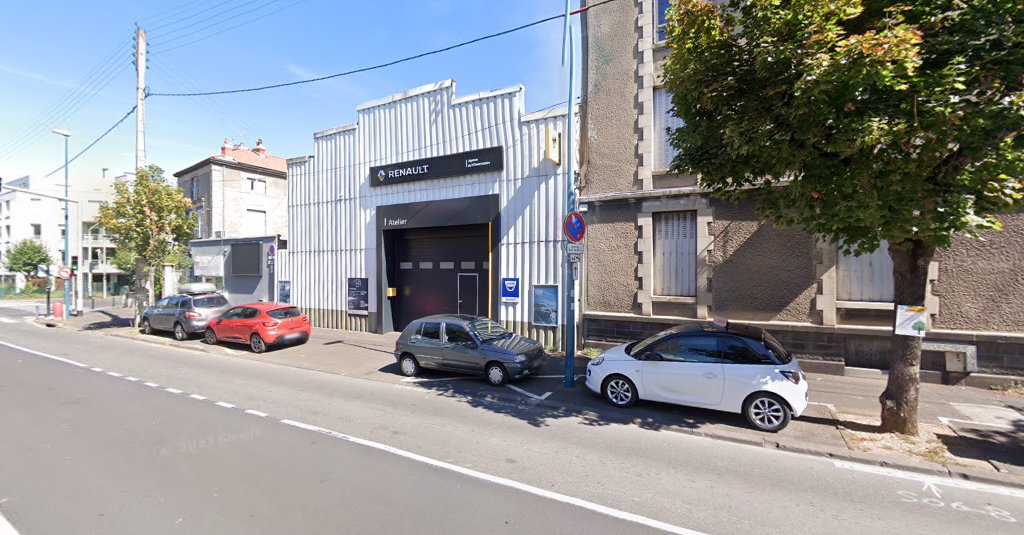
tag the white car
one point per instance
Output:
(710, 365)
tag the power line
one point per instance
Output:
(162, 51)
(216, 18)
(95, 141)
(372, 67)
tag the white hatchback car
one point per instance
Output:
(723, 367)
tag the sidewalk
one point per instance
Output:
(965, 432)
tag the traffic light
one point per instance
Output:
(74, 264)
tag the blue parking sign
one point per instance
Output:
(510, 290)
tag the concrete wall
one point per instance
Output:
(238, 197)
(610, 132)
(981, 283)
(611, 258)
(759, 271)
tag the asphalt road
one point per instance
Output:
(84, 451)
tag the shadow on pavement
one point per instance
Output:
(984, 443)
(112, 321)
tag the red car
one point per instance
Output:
(260, 325)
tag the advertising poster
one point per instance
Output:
(545, 305)
(911, 321)
(358, 296)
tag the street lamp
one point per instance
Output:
(67, 227)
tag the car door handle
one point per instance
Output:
(710, 375)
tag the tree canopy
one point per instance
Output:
(883, 120)
(25, 257)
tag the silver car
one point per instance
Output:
(184, 315)
(467, 344)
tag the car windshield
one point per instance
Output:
(282, 313)
(485, 330)
(639, 347)
(210, 301)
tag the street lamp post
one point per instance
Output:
(67, 226)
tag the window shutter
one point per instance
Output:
(663, 119)
(675, 254)
(865, 278)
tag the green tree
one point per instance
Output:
(25, 257)
(918, 326)
(858, 121)
(148, 220)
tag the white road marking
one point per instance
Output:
(172, 390)
(578, 502)
(115, 374)
(826, 405)
(928, 485)
(525, 393)
(96, 369)
(5, 527)
(197, 396)
(948, 421)
(225, 405)
(229, 351)
(132, 379)
(931, 480)
(257, 413)
(7, 320)
(44, 355)
(152, 385)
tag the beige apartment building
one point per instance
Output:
(660, 250)
(239, 192)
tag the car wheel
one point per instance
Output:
(210, 337)
(179, 332)
(496, 374)
(257, 344)
(619, 391)
(767, 412)
(409, 366)
(146, 327)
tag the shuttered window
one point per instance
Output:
(865, 278)
(675, 254)
(663, 119)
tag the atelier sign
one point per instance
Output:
(452, 165)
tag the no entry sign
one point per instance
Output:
(575, 227)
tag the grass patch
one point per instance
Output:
(590, 352)
(1016, 387)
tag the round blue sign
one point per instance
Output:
(575, 227)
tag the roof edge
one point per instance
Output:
(436, 86)
(335, 130)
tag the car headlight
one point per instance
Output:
(597, 361)
(520, 359)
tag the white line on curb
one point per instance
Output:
(151, 385)
(132, 379)
(115, 374)
(578, 502)
(96, 369)
(923, 478)
(44, 355)
(947, 421)
(197, 396)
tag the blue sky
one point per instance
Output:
(48, 49)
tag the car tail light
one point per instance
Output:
(793, 376)
(191, 315)
(270, 324)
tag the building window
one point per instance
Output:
(675, 254)
(867, 277)
(663, 121)
(258, 185)
(199, 222)
(256, 222)
(662, 19)
(37, 230)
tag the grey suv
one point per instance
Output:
(467, 344)
(184, 315)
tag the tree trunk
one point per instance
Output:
(141, 281)
(910, 262)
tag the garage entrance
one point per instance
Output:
(438, 270)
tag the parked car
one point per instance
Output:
(717, 366)
(260, 325)
(467, 344)
(184, 314)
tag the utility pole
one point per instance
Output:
(140, 98)
(569, 271)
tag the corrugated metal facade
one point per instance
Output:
(332, 207)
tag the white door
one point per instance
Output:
(684, 370)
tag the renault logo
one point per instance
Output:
(381, 174)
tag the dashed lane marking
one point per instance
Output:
(7, 320)
(172, 390)
(115, 374)
(197, 396)
(225, 405)
(256, 413)
(151, 385)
